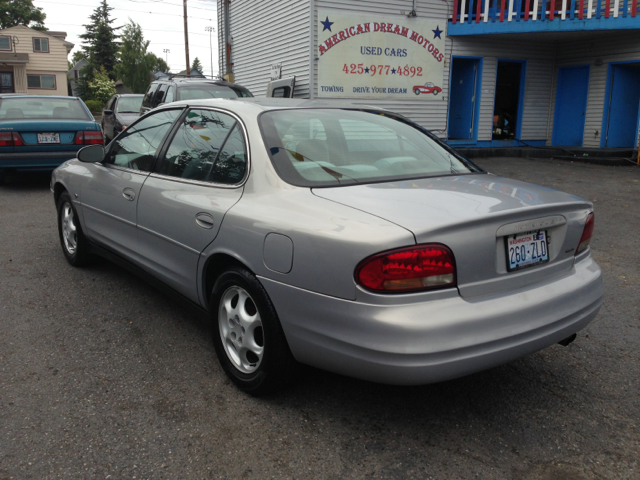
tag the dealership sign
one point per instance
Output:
(364, 56)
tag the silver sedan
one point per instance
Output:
(343, 237)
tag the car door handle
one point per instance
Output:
(204, 220)
(129, 194)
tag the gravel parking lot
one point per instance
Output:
(102, 376)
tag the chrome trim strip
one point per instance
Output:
(529, 225)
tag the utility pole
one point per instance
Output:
(186, 37)
(210, 30)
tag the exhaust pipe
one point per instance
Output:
(568, 340)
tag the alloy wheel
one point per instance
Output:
(241, 329)
(69, 230)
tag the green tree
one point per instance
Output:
(196, 64)
(77, 56)
(21, 12)
(102, 88)
(100, 41)
(136, 64)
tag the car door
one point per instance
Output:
(147, 101)
(110, 189)
(197, 179)
(109, 120)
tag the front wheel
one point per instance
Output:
(247, 334)
(72, 240)
(436, 92)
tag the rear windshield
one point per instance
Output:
(329, 147)
(129, 104)
(42, 108)
(211, 91)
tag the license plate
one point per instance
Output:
(48, 138)
(526, 250)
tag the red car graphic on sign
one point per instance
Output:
(427, 88)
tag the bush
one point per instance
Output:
(94, 105)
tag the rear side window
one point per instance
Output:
(208, 146)
(137, 147)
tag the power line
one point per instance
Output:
(129, 10)
(168, 3)
(144, 29)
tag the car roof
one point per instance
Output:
(259, 104)
(129, 95)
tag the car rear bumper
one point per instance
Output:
(35, 160)
(419, 342)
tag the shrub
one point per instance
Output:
(94, 105)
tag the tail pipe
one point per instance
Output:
(567, 340)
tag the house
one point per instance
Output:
(478, 73)
(33, 61)
(75, 74)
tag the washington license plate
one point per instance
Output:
(48, 138)
(526, 250)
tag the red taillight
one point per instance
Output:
(587, 233)
(409, 269)
(89, 138)
(8, 139)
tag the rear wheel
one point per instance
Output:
(416, 91)
(72, 240)
(247, 334)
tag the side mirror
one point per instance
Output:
(91, 154)
(107, 112)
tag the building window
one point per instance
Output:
(47, 82)
(5, 43)
(41, 45)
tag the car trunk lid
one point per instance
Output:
(48, 135)
(473, 215)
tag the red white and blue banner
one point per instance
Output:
(367, 56)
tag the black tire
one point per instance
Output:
(416, 91)
(256, 375)
(435, 92)
(68, 220)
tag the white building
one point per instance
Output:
(511, 72)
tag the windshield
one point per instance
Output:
(42, 108)
(329, 147)
(211, 91)
(129, 104)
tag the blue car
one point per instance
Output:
(41, 132)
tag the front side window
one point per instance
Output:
(41, 45)
(148, 97)
(5, 43)
(46, 82)
(208, 146)
(330, 147)
(137, 147)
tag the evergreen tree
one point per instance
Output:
(196, 64)
(100, 41)
(21, 12)
(136, 64)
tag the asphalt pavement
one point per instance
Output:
(102, 376)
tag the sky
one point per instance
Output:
(161, 21)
